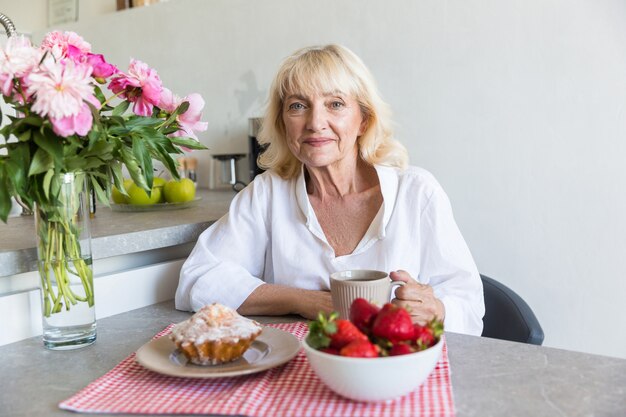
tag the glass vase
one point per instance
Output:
(65, 266)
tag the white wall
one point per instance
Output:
(32, 15)
(516, 106)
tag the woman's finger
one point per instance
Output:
(400, 275)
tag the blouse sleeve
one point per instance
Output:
(228, 259)
(448, 266)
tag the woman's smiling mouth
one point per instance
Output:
(316, 142)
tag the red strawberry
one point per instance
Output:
(330, 350)
(328, 331)
(393, 323)
(362, 314)
(360, 349)
(423, 336)
(428, 335)
(346, 333)
(401, 349)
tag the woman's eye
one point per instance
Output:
(337, 104)
(296, 106)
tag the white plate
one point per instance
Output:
(272, 348)
(154, 207)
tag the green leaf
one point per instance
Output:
(80, 163)
(115, 170)
(121, 108)
(168, 161)
(95, 136)
(17, 165)
(99, 95)
(184, 106)
(187, 142)
(136, 122)
(101, 149)
(5, 197)
(46, 182)
(42, 161)
(118, 120)
(100, 193)
(51, 144)
(321, 329)
(55, 187)
(29, 120)
(95, 113)
(144, 159)
(25, 135)
(133, 168)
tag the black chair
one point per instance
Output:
(507, 316)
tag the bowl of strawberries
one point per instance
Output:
(378, 354)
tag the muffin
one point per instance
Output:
(215, 334)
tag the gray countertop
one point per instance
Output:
(489, 377)
(118, 233)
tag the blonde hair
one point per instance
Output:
(320, 69)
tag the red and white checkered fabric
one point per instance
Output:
(291, 390)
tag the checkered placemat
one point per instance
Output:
(291, 390)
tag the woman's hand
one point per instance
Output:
(274, 300)
(310, 303)
(418, 299)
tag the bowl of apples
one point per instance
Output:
(378, 354)
(164, 195)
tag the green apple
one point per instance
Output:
(179, 191)
(138, 196)
(160, 183)
(117, 195)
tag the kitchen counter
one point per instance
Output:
(489, 377)
(118, 233)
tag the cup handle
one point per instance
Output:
(396, 283)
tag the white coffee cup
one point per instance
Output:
(346, 286)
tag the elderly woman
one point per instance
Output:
(337, 195)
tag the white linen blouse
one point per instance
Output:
(271, 235)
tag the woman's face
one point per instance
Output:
(322, 129)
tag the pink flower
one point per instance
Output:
(101, 68)
(60, 88)
(168, 101)
(79, 123)
(141, 86)
(65, 44)
(189, 121)
(17, 59)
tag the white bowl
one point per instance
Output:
(373, 379)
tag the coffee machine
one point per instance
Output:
(225, 171)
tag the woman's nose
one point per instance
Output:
(316, 120)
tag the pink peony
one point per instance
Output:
(101, 68)
(17, 59)
(60, 88)
(141, 86)
(65, 44)
(169, 101)
(77, 124)
(189, 121)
